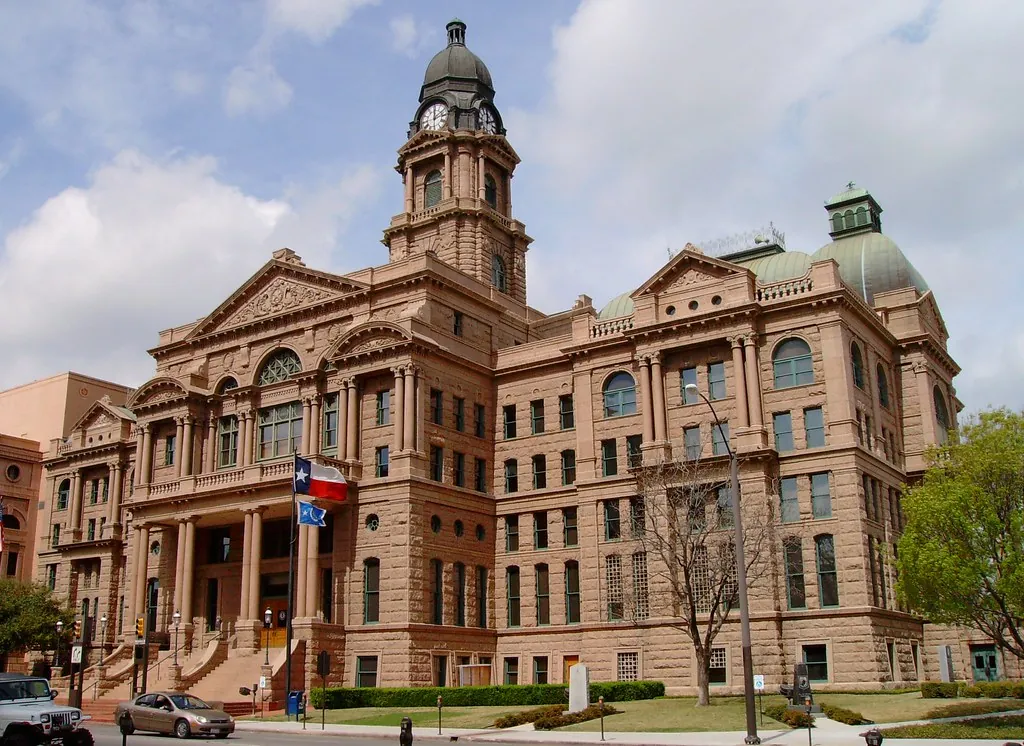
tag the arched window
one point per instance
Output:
(619, 395)
(849, 219)
(837, 222)
(941, 415)
(63, 494)
(226, 385)
(432, 189)
(861, 216)
(498, 276)
(883, 386)
(857, 361)
(792, 364)
(11, 521)
(281, 366)
(491, 191)
(371, 590)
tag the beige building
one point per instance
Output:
(488, 447)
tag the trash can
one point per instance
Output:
(296, 703)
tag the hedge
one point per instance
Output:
(529, 716)
(843, 715)
(792, 718)
(549, 722)
(337, 698)
(939, 689)
(982, 689)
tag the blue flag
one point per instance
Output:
(311, 515)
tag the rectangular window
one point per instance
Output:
(613, 582)
(55, 535)
(460, 413)
(543, 587)
(641, 587)
(612, 531)
(568, 467)
(436, 463)
(688, 376)
(718, 671)
(371, 591)
(91, 530)
(540, 669)
(480, 475)
(828, 583)
(457, 323)
(169, 446)
(540, 472)
(219, 548)
(572, 592)
(716, 381)
(480, 422)
(436, 406)
(628, 667)
(720, 439)
(460, 594)
(570, 527)
(540, 530)
(329, 441)
(875, 503)
(366, 671)
(511, 476)
(481, 596)
(814, 427)
(512, 671)
(782, 422)
(637, 517)
(796, 594)
(459, 469)
(866, 485)
(566, 412)
(609, 458)
(227, 440)
(512, 588)
(508, 418)
(691, 439)
(537, 416)
(381, 461)
(723, 507)
(821, 497)
(633, 455)
(789, 500)
(94, 491)
(436, 591)
(383, 407)
(51, 577)
(816, 658)
(280, 430)
(511, 533)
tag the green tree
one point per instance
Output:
(28, 617)
(960, 556)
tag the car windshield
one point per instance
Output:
(25, 689)
(188, 702)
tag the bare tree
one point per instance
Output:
(682, 516)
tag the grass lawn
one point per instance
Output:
(894, 708)
(671, 714)
(422, 717)
(999, 728)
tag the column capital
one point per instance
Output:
(308, 400)
(643, 360)
(736, 341)
(144, 428)
(398, 370)
(411, 369)
(749, 340)
(655, 357)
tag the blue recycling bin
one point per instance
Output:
(296, 704)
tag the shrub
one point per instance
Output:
(548, 722)
(995, 689)
(842, 715)
(792, 718)
(959, 709)
(528, 716)
(939, 690)
(971, 692)
(1017, 690)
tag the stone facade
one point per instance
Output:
(442, 397)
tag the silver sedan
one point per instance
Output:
(173, 713)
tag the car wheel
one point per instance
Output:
(181, 729)
(18, 739)
(221, 735)
(80, 737)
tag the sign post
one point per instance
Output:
(323, 667)
(759, 688)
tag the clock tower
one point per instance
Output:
(457, 169)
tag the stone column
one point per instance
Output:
(211, 446)
(243, 604)
(179, 437)
(352, 434)
(116, 494)
(481, 172)
(247, 446)
(740, 382)
(179, 566)
(343, 419)
(645, 399)
(316, 424)
(147, 455)
(299, 609)
(312, 570)
(753, 383)
(399, 409)
(76, 503)
(132, 578)
(447, 191)
(254, 564)
(187, 448)
(190, 570)
(304, 448)
(658, 386)
(465, 190)
(410, 408)
(141, 570)
(929, 425)
(137, 475)
(408, 189)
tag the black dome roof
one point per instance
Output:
(456, 61)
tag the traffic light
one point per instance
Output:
(78, 629)
(140, 626)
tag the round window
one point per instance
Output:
(13, 472)
(435, 524)
(459, 529)
(670, 311)
(154, 548)
(693, 305)
(372, 522)
(480, 532)
(716, 300)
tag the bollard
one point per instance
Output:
(405, 734)
(600, 705)
(438, 714)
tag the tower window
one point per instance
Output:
(837, 222)
(491, 191)
(432, 189)
(498, 276)
(861, 216)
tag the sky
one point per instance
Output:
(154, 154)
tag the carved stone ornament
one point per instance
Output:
(691, 277)
(279, 296)
(373, 343)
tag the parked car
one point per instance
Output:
(29, 717)
(182, 715)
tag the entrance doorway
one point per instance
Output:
(152, 597)
(274, 596)
(211, 604)
(984, 662)
(568, 661)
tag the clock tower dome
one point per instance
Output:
(457, 168)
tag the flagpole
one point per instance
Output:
(291, 595)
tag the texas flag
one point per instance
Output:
(319, 481)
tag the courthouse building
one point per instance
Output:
(488, 446)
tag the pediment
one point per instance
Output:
(157, 391)
(688, 269)
(100, 415)
(930, 313)
(369, 338)
(277, 289)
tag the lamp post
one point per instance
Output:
(60, 629)
(177, 620)
(103, 635)
(268, 616)
(741, 575)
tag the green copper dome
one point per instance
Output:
(871, 263)
(620, 305)
(786, 265)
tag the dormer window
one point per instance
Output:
(432, 189)
(491, 191)
(498, 276)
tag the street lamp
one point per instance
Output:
(60, 629)
(103, 635)
(741, 574)
(268, 615)
(177, 620)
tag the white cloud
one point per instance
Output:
(255, 88)
(145, 245)
(316, 19)
(407, 36)
(675, 122)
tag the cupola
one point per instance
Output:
(853, 211)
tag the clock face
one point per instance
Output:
(435, 117)
(488, 122)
